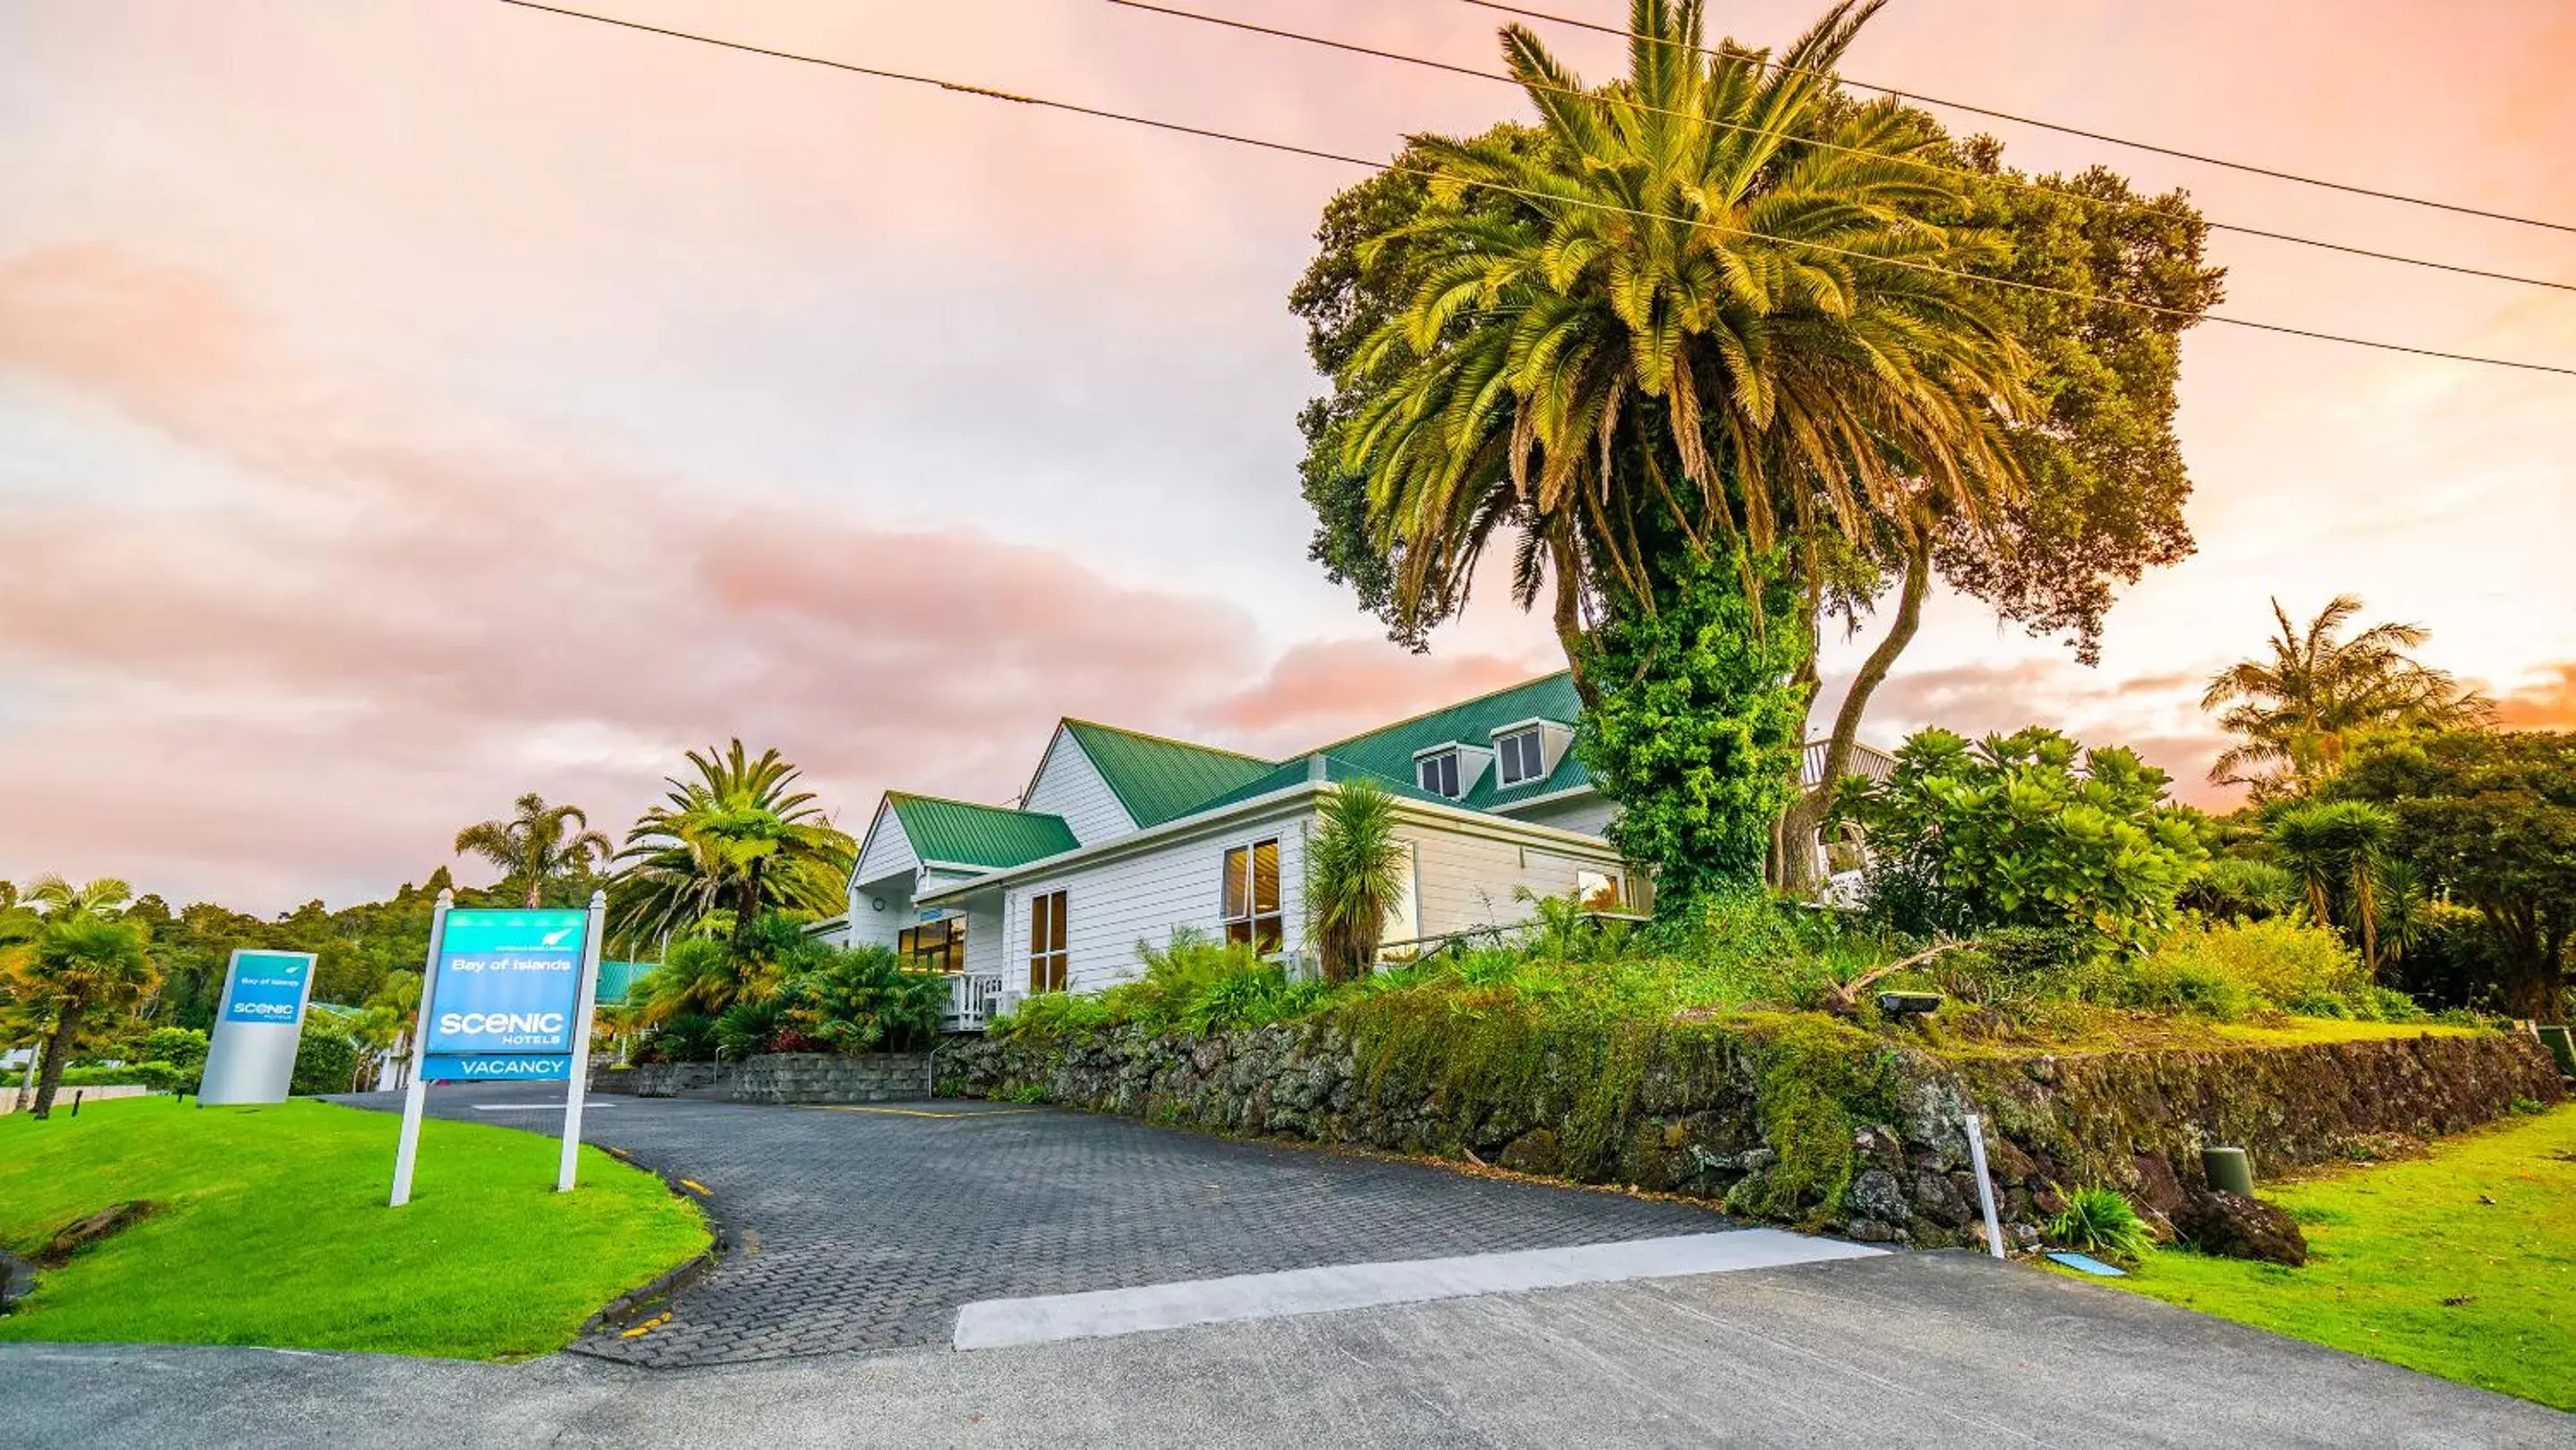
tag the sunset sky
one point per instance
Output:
(409, 404)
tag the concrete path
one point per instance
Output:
(1894, 1350)
(866, 1229)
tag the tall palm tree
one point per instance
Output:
(1674, 313)
(67, 957)
(1355, 874)
(2297, 714)
(2338, 851)
(537, 844)
(735, 837)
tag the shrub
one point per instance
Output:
(2230, 968)
(183, 1048)
(860, 999)
(159, 1076)
(1052, 1014)
(326, 1061)
(2013, 831)
(2099, 1221)
(683, 1037)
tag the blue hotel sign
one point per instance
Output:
(268, 987)
(507, 997)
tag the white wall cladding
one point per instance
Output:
(888, 851)
(1111, 906)
(870, 927)
(1586, 814)
(1069, 785)
(1466, 879)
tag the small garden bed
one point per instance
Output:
(269, 1227)
(2460, 1262)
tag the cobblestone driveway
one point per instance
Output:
(866, 1229)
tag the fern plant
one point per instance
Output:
(2099, 1221)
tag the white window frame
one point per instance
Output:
(1253, 914)
(1504, 746)
(1437, 760)
(1051, 963)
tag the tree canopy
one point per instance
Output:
(2488, 820)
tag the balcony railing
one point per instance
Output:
(973, 1000)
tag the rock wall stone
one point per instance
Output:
(1707, 1111)
(783, 1077)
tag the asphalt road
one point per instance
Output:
(1900, 1350)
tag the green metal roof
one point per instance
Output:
(1160, 780)
(968, 834)
(1388, 751)
(617, 979)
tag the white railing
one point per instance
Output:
(973, 1000)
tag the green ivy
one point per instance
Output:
(1696, 728)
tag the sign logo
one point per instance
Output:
(268, 987)
(509, 982)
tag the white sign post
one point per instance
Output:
(416, 1091)
(577, 1085)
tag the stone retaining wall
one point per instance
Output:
(783, 1077)
(1758, 1115)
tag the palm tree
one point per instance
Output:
(2298, 714)
(2337, 851)
(1355, 874)
(77, 959)
(1672, 314)
(735, 838)
(537, 844)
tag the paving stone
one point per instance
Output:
(873, 1228)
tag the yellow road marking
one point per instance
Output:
(919, 1112)
(647, 1327)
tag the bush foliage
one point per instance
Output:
(2025, 830)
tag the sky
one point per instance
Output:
(408, 405)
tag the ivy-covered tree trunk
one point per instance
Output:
(1695, 732)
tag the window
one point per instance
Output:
(933, 946)
(1438, 774)
(1046, 942)
(1252, 895)
(1519, 758)
(1597, 890)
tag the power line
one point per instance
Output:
(1291, 149)
(1975, 110)
(1918, 163)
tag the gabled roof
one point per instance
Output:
(966, 834)
(1159, 780)
(1388, 751)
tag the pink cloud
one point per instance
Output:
(404, 617)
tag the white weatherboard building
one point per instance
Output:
(1121, 837)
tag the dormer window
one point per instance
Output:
(1520, 757)
(1437, 773)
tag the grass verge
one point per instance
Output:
(2460, 1264)
(273, 1230)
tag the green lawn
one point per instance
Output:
(274, 1231)
(2462, 1264)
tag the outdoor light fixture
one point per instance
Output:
(876, 903)
(1903, 1004)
